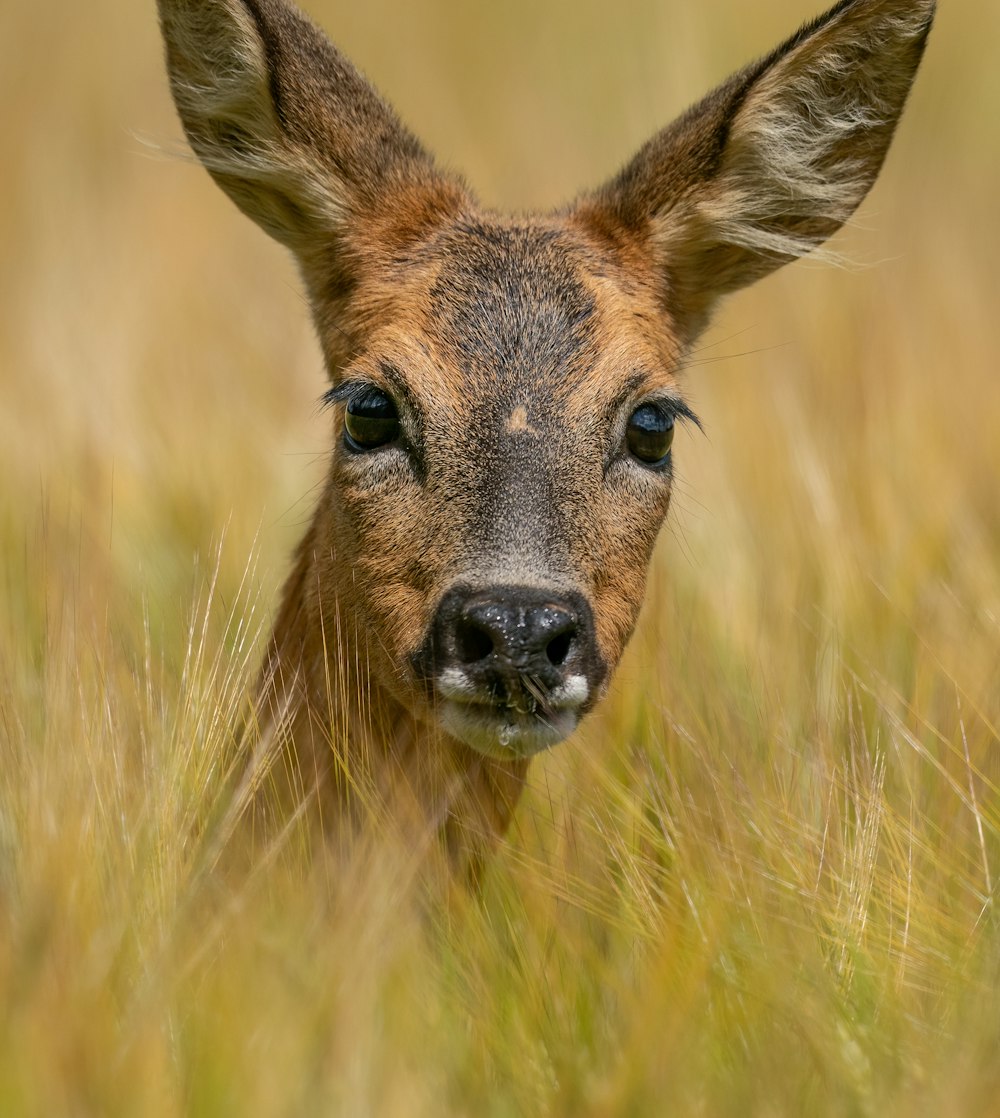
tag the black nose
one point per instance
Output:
(511, 639)
(532, 636)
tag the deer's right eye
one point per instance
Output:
(371, 420)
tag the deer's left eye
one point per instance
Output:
(649, 434)
(371, 420)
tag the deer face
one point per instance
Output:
(505, 389)
(502, 466)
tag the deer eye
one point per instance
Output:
(371, 420)
(649, 434)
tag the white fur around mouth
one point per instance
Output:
(501, 731)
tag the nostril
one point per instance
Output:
(472, 643)
(558, 648)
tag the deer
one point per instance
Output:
(504, 388)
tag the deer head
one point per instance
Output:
(505, 389)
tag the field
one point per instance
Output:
(762, 879)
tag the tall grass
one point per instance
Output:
(759, 881)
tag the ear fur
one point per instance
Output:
(775, 160)
(291, 131)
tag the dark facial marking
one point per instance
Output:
(508, 304)
(511, 309)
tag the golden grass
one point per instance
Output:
(761, 881)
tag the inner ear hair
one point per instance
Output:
(286, 125)
(774, 161)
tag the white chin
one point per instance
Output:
(505, 735)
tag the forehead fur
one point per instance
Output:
(527, 324)
(532, 313)
(510, 303)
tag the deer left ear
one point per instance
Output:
(771, 163)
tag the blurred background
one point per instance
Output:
(797, 771)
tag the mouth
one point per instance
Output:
(520, 723)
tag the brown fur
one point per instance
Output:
(515, 350)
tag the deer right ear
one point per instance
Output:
(285, 124)
(771, 163)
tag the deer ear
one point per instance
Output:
(772, 162)
(285, 124)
